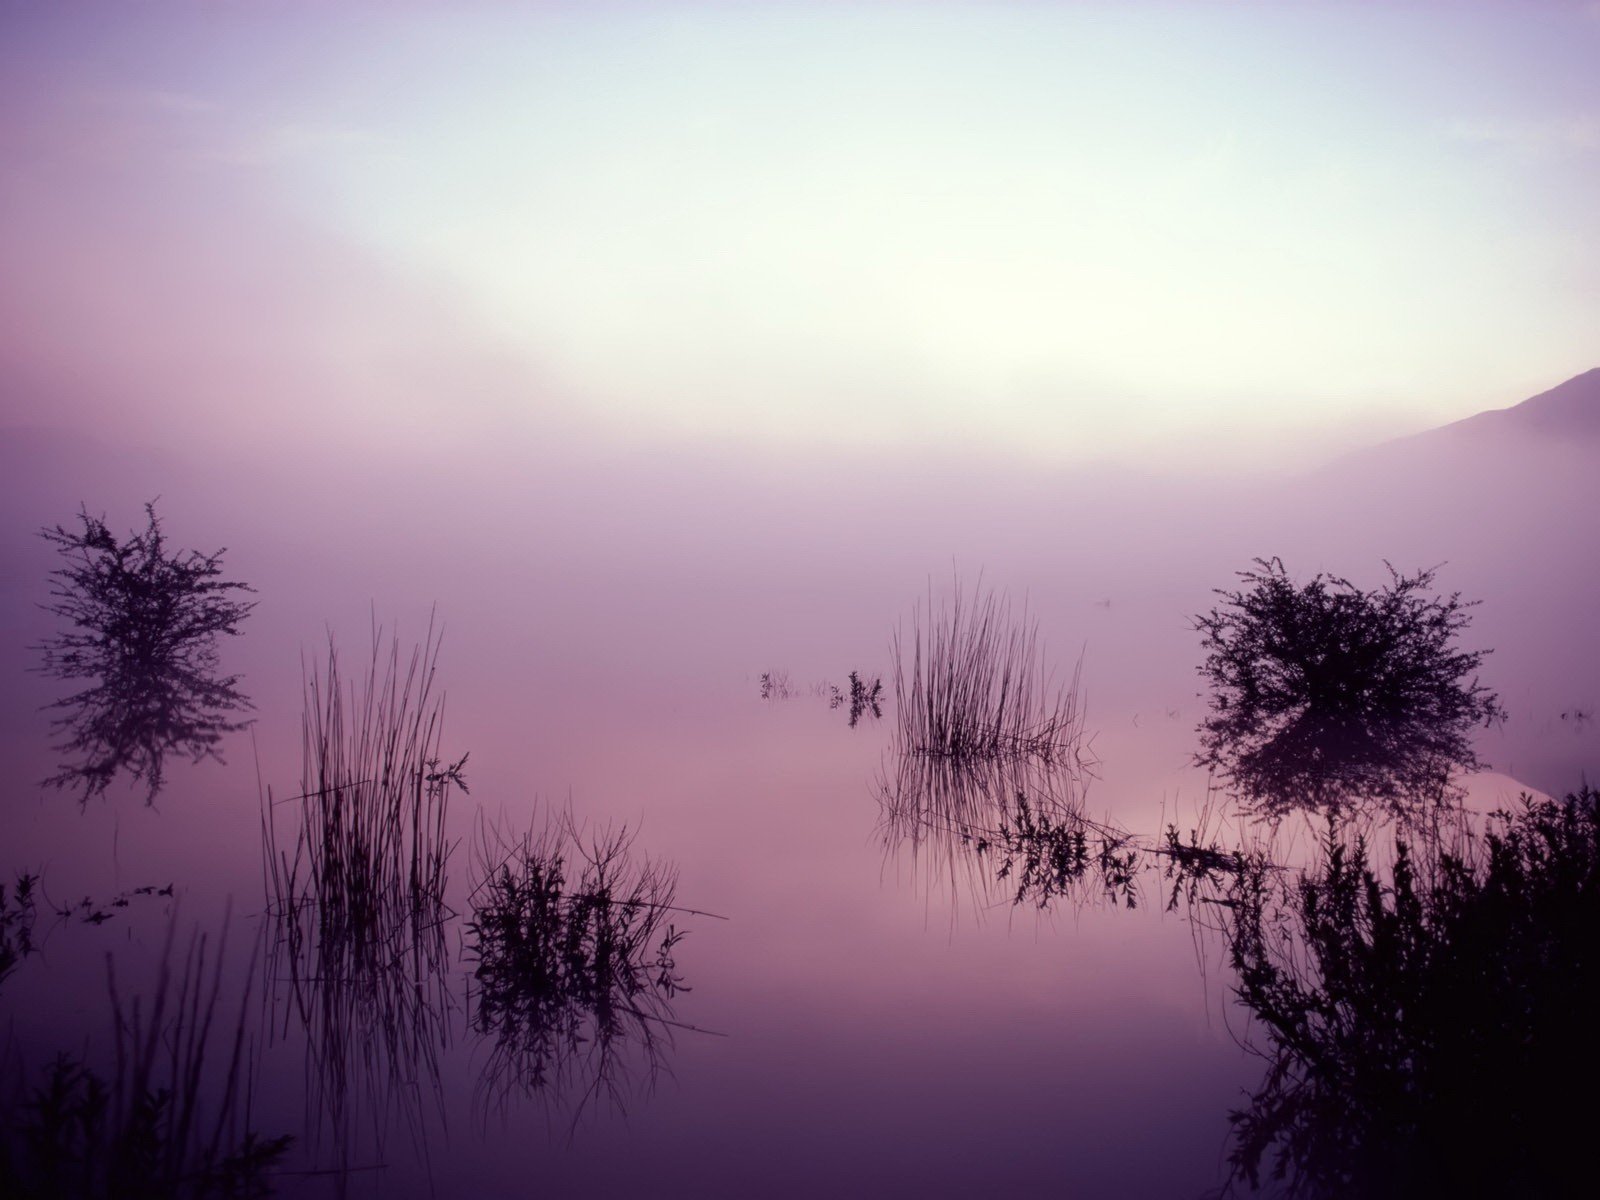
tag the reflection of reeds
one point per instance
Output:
(972, 684)
(374, 793)
(359, 903)
(573, 945)
(172, 1120)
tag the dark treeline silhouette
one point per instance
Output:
(1326, 697)
(144, 623)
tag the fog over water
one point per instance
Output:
(208, 307)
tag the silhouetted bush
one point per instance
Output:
(1326, 696)
(1430, 1030)
(574, 962)
(144, 627)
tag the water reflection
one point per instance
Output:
(357, 905)
(572, 935)
(1428, 1027)
(17, 912)
(1329, 698)
(144, 627)
(170, 1117)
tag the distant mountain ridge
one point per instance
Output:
(1570, 409)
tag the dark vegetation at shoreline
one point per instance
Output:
(1428, 1027)
(170, 1119)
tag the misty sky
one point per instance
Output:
(1064, 231)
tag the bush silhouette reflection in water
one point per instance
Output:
(1428, 1030)
(1329, 698)
(573, 939)
(358, 905)
(170, 1119)
(145, 624)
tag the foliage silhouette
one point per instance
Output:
(574, 949)
(1429, 1030)
(169, 1120)
(1327, 697)
(861, 698)
(358, 904)
(144, 627)
(17, 911)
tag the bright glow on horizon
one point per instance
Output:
(1075, 232)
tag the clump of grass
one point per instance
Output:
(574, 945)
(371, 852)
(170, 1120)
(359, 902)
(972, 683)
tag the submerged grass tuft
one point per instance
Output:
(573, 939)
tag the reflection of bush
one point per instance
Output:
(1326, 696)
(144, 627)
(574, 962)
(1433, 1032)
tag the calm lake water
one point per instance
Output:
(865, 1020)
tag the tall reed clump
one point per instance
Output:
(371, 851)
(359, 901)
(972, 683)
(171, 1118)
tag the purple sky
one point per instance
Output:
(1053, 231)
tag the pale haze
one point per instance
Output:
(1145, 233)
(677, 363)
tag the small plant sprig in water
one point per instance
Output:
(861, 698)
(16, 923)
(575, 963)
